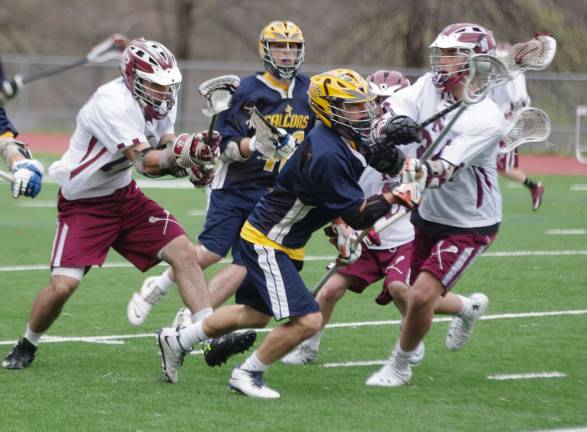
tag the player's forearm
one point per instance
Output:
(237, 150)
(150, 161)
(12, 152)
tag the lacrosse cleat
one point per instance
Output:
(141, 303)
(251, 384)
(395, 372)
(461, 327)
(537, 193)
(172, 353)
(183, 318)
(303, 354)
(21, 355)
(218, 350)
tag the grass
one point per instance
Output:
(99, 387)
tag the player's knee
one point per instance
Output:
(331, 293)
(398, 290)
(420, 300)
(206, 258)
(180, 253)
(62, 288)
(309, 325)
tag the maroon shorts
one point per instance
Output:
(129, 222)
(508, 161)
(447, 257)
(373, 265)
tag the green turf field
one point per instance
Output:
(117, 386)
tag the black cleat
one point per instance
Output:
(21, 355)
(218, 350)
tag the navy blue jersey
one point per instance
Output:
(319, 182)
(5, 125)
(284, 109)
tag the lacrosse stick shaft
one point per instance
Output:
(440, 114)
(6, 176)
(211, 128)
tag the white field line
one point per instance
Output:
(353, 363)
(579, 187)
(31, 267)
(529, 375)
(576, 429)
(565, 232)
(116, 338)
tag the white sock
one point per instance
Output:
(253, 364)
(201, 314)
(190, 335)
(164, 282)
(314, 341)
(466, 308)
(31, 336)
(401, 357)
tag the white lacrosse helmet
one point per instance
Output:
(147, 64)
(464, 38)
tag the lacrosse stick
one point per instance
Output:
(218, 93)
(535, 54)
(528, 125)
(109, 49)
(6, 176)
(266, 134)
(485, 72)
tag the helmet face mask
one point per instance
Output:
(151, 73)
(341, 99)
(282, 49)
(452, 49)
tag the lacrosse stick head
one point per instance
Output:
(452, 49)
(151, 73)
(342, 100)
(218, 92)
(528, 125)
(109, 49)
(485, 72)
(534, 54)
(266, 135)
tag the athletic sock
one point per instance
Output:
(529, 183)
(164, 282)
(253, 364)
(201, 314)
(466, 308)
(31, 336)
(314, 341)
(190, 335)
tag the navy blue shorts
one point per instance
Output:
(227, 212)
(273, 285)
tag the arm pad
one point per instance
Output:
(375, 207)
(10, 147)
(232, 153)
(438, 172)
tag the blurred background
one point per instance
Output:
(214, 37)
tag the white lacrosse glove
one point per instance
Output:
(348, 249)
(28, 175)
(274, 148)
(409, 194)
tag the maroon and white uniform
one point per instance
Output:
(456, 222)
(390, 259)
(99, 206)
(510, 98)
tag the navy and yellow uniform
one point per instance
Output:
(238, 185)
(7, 129)
(318, 183)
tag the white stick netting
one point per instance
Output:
(528, 125)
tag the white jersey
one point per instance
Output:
(109, 123)
(511, 96)
(401, 232)
(471, 198)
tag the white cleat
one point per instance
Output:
(301, 355)
(183, 318)
(251, 384)
(390, 375)
(141, 303)
(461, 328)
(171, 353)
(418, 355)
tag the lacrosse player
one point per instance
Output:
(247, 168)
(26, 171)
(460, 211)
(318, 184)
(100, 206)
(510, 98)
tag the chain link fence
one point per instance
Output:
(50, 105)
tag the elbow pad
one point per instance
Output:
(232, 153)
(375, 207)
(10, 147)
(438, 172)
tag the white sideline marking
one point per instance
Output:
(353, 364)
(114, 338)
(579, 187)
(165, 184)
(529, 375)
(317, 258)
(38, 203)
(197, 212)
(579, 429)
(565, 232)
